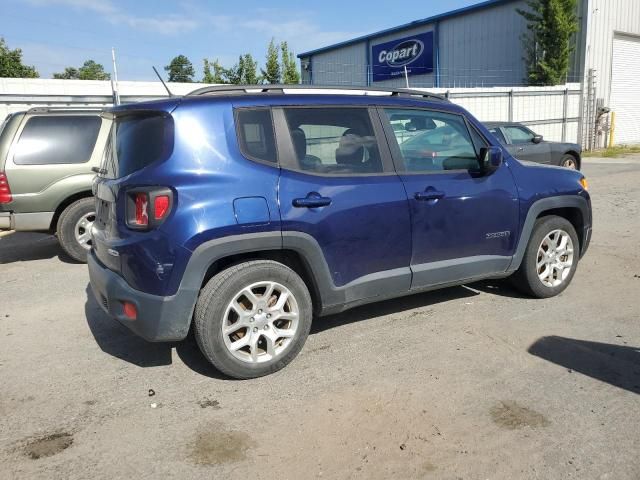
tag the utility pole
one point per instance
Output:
(406, 76)
(114, 80)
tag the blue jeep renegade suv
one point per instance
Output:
(248, 211)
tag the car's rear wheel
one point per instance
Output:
(74, 228)
(550, 260)
(569, 161)
(252, 319)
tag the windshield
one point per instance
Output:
(136, 142)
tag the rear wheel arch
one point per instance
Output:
(63, 206)
(290, 258)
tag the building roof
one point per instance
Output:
(416, 23)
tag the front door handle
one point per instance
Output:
(428, 194)
(521, 149)
(312, 200)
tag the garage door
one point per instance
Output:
(625, 89)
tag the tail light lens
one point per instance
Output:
(5, 191)
(142, 209)
(148, 208)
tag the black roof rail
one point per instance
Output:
(64, 109)
(280, 89)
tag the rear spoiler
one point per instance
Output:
(158, 107)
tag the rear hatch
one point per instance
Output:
(139, 139)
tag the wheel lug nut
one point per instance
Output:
(268, 315)
(266, 327)
(255, 329)
(259, 311)
(252, 319)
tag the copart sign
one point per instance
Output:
(389, 59)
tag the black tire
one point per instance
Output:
(526, 277)
(569, 161)
(220, 291)
(67, 225)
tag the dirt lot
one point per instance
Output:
(470, 382)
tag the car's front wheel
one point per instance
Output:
(550, 260)
(252, 319)
(569, 161)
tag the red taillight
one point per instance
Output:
(142, 206)
(160, 206)
(5, 191)
(130, 310)
(148, 207)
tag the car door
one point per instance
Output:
(338, 188)
(523, 145)
(464, 223)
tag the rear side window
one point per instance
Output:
(255, 134)
(136, 142)
(57, 139)
(334, 141)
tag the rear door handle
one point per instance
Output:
(312, 200)
(428, 195)
(520, 149)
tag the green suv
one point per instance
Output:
(48, 158)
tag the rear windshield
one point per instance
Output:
(136, 142)
(57, 139)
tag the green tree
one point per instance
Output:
(70, 73)
(11, 63)
(180, 70)
(90, 70)
(290, 74)
(219, 74)
(250, 70)
(271, 72)
(551, 25)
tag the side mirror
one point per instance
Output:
(537, 139)
(491, 158)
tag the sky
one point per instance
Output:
(54, 34)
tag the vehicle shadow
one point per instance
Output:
(501, 287)
(617, 365)
(118, 341)
(28, 246)
(396, 305)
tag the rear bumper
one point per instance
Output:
(26, 222)
(5, 221)
(159, 319)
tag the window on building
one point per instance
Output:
(334, 141)
(57, 139)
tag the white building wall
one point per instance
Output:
(604, 19)
(483, 48)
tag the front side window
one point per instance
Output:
(433, 141)
(519, 134)
(334, 141)
(255, 134)
(57, 139)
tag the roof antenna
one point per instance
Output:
(164, 84)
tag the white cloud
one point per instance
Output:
(163, 24)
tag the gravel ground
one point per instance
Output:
(469, 382)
